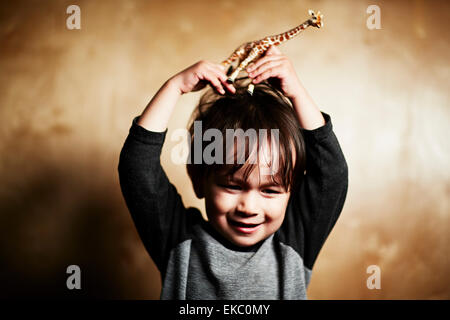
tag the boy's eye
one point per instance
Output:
(271, 191)
(231, 186)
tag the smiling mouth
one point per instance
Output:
(244, 227)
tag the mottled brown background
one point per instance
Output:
(67, 99)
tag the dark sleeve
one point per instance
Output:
(314, 209)
(155, 206)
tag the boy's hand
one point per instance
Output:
(197, 76)
(279, 70)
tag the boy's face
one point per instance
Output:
(245, 211)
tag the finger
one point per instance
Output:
(262, 61)
(229, 86)
(268, 73)
(223, 78)
(214, 80)
(218, 71)
(271, 64)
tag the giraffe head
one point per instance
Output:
(316, 20)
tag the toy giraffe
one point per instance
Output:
(252, 51)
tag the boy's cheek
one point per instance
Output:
(275, 212)
(275, 224)
(219, 205)
(276, 207)
(224, 201)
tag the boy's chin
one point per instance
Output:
(245, 240)
(242, 239)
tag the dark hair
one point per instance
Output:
(266, 108)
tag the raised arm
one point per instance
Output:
(157, 113)
(154, 204)
(277, 67)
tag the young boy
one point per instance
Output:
(264, 231)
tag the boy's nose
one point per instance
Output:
(248, 205)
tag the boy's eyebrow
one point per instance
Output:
(269, 183)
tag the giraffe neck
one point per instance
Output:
(285, 36)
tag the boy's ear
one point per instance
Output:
(198, 189)
(197, 184)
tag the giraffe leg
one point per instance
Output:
(250, 88)
(230, 59)
(239, 53)
(252, 55)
